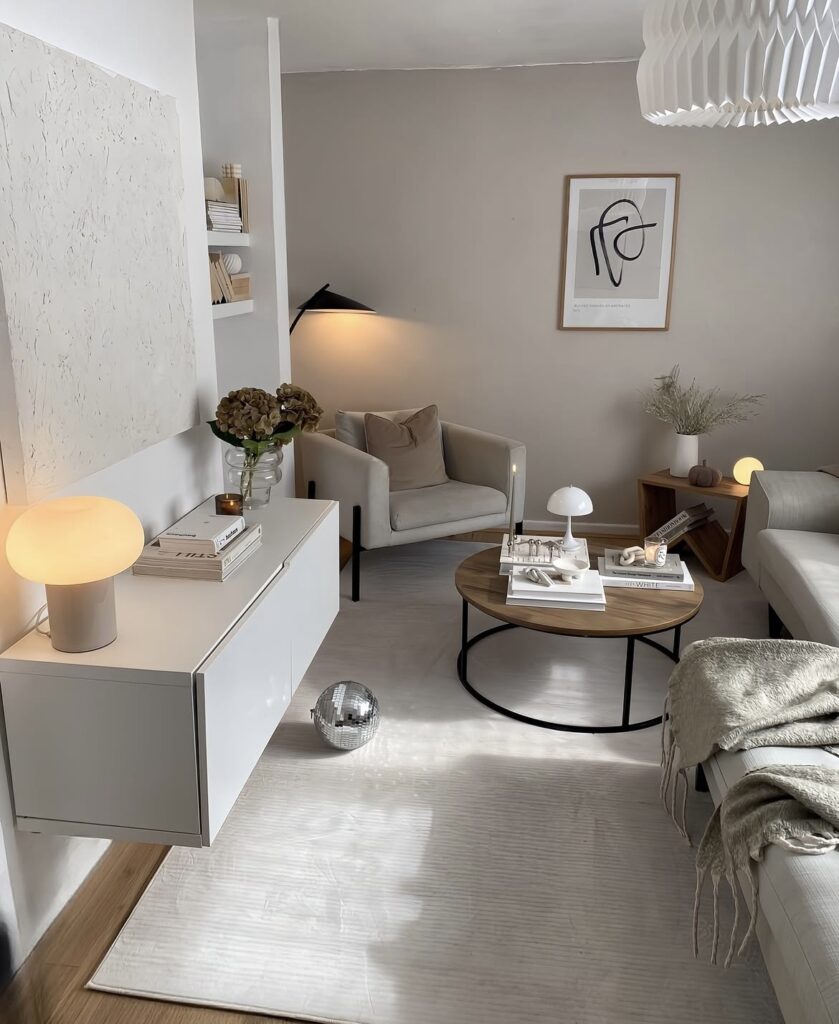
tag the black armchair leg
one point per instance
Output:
(310, 491)
(519, 529)
(356, 552)
(775, 624)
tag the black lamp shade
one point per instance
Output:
(326, 301)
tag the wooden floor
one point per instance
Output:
(49, 988)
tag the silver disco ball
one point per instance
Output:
(346, 715)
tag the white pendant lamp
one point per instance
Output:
(739, 62)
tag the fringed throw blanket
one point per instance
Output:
(734, 695)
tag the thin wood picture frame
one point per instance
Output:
(618, 251)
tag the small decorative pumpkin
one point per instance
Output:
(704, 475)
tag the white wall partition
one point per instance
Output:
(154, 44)
(241, 122)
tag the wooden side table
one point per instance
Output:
(717, 550)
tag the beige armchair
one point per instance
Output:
(476, 496)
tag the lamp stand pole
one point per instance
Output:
(300, 313)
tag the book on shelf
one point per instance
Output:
(685, 583)
(236, 193)
(583, 594)
(216, 294)
(196, 565)
(223, 277)
(201, 531)
(544, 550)
(241, 286)
(672, 569)
(682, 523)
(223, 216)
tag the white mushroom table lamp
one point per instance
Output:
(75, 546)
(568, 502)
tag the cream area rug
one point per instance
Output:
(463, 868)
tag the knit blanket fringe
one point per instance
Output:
(736, 695)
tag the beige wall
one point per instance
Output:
(436, 196)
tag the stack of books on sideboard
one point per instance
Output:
(201, 546)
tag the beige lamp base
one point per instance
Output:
(82, 616)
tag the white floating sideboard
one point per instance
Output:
(152, 738)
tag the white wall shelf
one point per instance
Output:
(152, 738)
(231, 238)
(222, 310)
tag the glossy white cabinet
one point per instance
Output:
(152, 738)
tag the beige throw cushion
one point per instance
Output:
(349, 426)
(412, 448)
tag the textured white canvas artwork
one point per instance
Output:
(96, 336)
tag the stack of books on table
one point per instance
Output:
(673, 575)
(583, 594)
(200, 546)
(223, 216)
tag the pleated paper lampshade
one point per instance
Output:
(739, 62)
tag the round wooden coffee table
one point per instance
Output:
(633, 614)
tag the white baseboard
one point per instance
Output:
(581, 526)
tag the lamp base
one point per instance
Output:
(82, 616)
(569, 541)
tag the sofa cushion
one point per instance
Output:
(412, 449)
(445, 503)
(349, 426)
(805, 567)
(797, 893)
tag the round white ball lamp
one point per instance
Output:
(75, 546)
(743, 469)
(569, 502)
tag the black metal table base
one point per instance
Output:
(466, 644)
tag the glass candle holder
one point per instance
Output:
(229, 504)
(655, 551)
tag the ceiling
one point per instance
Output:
(333, 35)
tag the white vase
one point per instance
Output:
(685, 454)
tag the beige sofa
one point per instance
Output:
(791, 551)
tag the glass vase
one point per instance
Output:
(252, 475)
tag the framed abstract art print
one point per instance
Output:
(618, 247)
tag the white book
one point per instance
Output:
(200, 530)
(589, 587)
(560, 606)
(686, 583)
(196, 572)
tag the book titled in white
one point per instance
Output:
(201, 531)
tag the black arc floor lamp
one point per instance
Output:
(325, 301)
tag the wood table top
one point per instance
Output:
(629, 611)
(726, 488)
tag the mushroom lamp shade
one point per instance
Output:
(568, 502)
(743, 469)
(326, 301)
(75, 546)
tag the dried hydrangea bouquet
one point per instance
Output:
(256, 425)
(692, 411)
